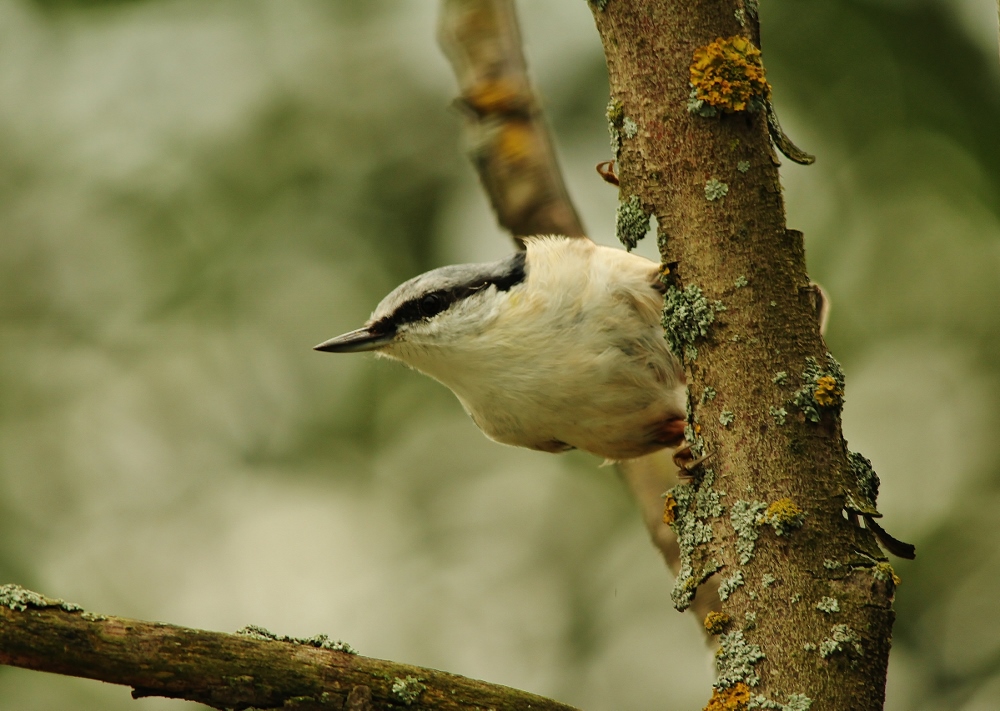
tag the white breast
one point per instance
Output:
(572, 357)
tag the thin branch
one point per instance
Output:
(229, 671)
(507, 139)
(647, 479)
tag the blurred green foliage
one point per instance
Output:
(192, 194)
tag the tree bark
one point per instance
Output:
(255, 669)
(807, 609)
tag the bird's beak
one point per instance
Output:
(362, 339)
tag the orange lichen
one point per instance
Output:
(516, 142)
(784, 516)
(716, 622)
(884, 572)
(735, 698)
(497, 96)
(669, 509)
(827, 393)
(728, 75)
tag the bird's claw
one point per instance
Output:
(686, 462)
(606, 170)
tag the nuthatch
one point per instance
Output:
(554, 348)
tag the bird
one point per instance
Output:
(553, 348)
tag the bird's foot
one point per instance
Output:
(686, 462)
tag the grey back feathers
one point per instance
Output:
(433, 292)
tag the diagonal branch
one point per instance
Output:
(506, 135)
(253, 669)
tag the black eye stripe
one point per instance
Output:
(429, 305)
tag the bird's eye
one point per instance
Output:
(432, 305)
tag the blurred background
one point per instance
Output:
(193, 194)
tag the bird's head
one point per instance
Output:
(436, 309)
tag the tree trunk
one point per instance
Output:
(807, 595)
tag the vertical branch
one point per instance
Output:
(504, 129)
(806, 595)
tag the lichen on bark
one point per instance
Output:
(781, 446)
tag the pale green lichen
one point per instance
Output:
(767, 580)
(751, 621)
(796, 702)
(829, 605)
(866, 478)
(843, 640)
(745, 517)
(692, 429)
(780, 377)
(708, 394)
(743, 166)
(831, 564)
(809, 647)
(691, 436)
(726, 418)
(20, 599)
(822, 388)
(695, 503)
(320, 641)
(752, 7)
(729, 585)
(741, 281)
(779, 414)
(795, 598)
(699, 107)
(407, 689)
(708, 500)
(735, 661)
(687, 316)
(616, 114)
(740, 17)
(629, 127)
(631, 222)
(715, 190)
